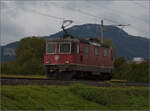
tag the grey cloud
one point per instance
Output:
(23, 21)
(10, 31)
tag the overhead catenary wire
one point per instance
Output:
(48, 15)
(95, 16)
(140, 4)
(60, 18)
(114, 12)
(127, 15)
(77, 10)
(87, 13)
(38, 12)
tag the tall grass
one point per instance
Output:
(73, 97)
(114, 97)
(43, 98)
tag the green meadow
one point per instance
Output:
(74, 97)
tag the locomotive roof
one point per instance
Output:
(92, 41)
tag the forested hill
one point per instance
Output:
(126, 45)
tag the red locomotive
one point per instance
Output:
(71, 57)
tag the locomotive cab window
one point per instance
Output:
(87, 49)
(96, 51)
(64, 48)
(105, 52)
(51, 48)
(74, 48)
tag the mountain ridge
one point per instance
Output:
(126, 45)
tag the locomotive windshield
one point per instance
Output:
(65, 47)
(62, 48)
(51, 48)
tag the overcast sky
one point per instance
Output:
(37, 18)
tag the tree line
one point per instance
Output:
(29, 58)
(29, 61)
(131, 71)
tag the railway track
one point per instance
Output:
(37, 81)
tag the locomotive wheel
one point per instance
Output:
(51, 75)
(65, 75)
(47, 72)
(105, 76)
(110, 77)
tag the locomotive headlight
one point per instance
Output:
(47, 62)
(67, 62)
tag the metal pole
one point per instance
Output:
(102, 32)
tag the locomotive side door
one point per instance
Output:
(81, 51)
(86, 57)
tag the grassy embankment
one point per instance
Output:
(23, 76)
(44, 77)
(76, 96)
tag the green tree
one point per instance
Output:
(110, 43)
(10, 68)
(131, 71)
(30, 55)
(120, 68)
(138, 72)
(33, 47)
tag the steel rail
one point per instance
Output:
(38, 81)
